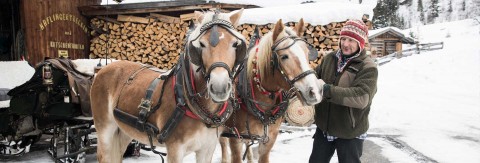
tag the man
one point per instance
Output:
(349, 80)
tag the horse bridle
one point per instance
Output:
(214, 25)
(275, 61)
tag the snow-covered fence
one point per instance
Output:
(408, 52)
(431, 46)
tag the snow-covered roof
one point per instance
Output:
(393, 30)
(320, 12)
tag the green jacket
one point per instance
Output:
(347, 96)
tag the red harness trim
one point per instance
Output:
(277, 94)
(187, 111)
(225, 104)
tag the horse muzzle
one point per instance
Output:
(311, 92)
(219, 86)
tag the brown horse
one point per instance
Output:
(277, 68)
(192, 97)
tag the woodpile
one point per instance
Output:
(155, 40)
(158, 39)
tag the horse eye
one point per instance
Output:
(202, 45)
(283, 57)
(235, 44)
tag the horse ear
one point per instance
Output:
(277, 29)
(235, 17)
(300, 27)
(199, 17)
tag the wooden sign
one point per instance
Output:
(63, 53)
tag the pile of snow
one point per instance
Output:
(88, 65)
(320, 12)
(15, 73)
(376, 31)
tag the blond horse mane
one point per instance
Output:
(264, 54)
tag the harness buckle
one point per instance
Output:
(216, 119)
(145, 104)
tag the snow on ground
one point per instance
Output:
(432, 99)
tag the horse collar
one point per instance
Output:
(185, 80)
(246, 91)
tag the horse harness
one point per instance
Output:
(182, 75)
(180, 78)
(247, 97)
(274, 59)
(195, 52)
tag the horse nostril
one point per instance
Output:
(311, 93)
(211, 88)
(229, 86)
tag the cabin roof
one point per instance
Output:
(160, 6)
(392, 30)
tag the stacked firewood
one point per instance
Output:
(147, 40)
(158, 39)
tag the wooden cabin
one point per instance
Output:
(386, 41)
(35, 29)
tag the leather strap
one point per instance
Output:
(132, 120)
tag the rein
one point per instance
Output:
(275, 59)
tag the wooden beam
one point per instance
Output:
(108, 19)
(129, 18)
(165, 18)
(186, 17)
(156, 7)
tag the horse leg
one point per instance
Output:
(112, 142)
(205, 154)
(249, 153)
(176, 152)
(236, 146)
(264, 149)
(224, 144)
(111, 145)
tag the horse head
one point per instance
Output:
(286, 56)
(216, 48)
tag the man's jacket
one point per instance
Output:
(347, 96)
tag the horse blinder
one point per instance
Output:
(195, 54)
(241, 53)
(312, 53)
